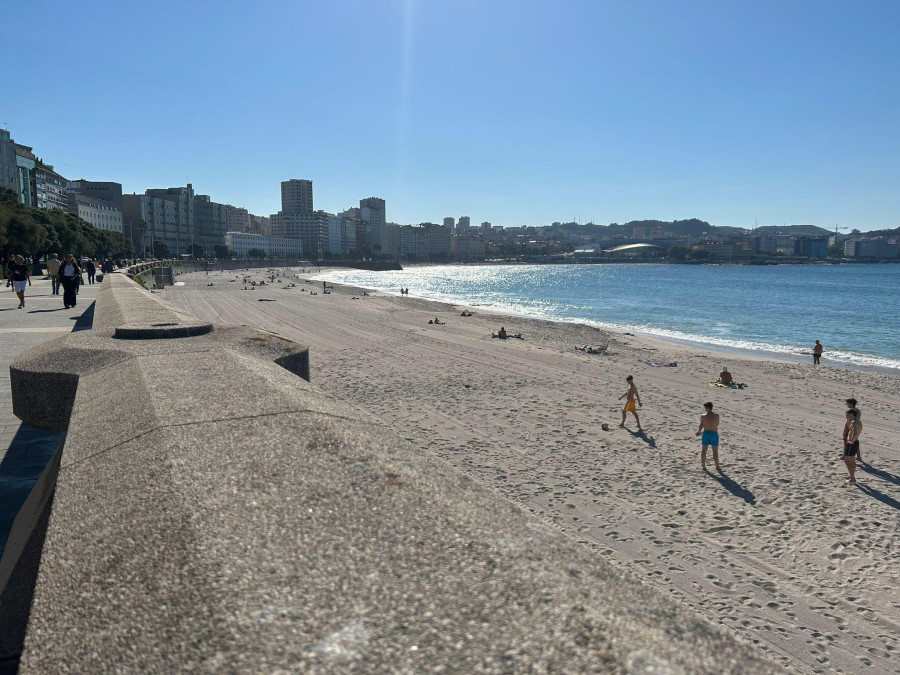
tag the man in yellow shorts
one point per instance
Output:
(630, 397)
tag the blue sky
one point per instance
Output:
(514, 112)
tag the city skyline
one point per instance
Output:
(513, 113)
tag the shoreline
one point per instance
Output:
(713, 348)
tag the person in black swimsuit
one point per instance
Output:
(851, 445)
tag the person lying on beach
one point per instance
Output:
(709, 427)
(630, 397)
(725, 376)
(465, 313)
(438, 321)
(851, 446)
(590, 349)
(503, 335)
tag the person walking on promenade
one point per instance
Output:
(851, 443)
(53, 273)
(91, 268)
(69, 276)
(851, 405)
(630, 397)
(709, 427)
(18, 274)
(817, 352)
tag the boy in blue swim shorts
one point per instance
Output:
(709, 428)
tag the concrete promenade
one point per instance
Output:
(24, 449)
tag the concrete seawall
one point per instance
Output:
(214, 511)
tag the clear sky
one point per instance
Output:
(516, 112)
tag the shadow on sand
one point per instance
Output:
(878, 473)
(880, 496)
(649, 440)
(733, 487)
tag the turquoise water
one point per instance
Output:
(854, 310)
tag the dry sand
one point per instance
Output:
(776, 549)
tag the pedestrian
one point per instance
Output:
(817, 352)
(630, 397)
(18, 274)
(69, 276)
(709, 428)
(91, 268)
(851, 444)
(53, 273)
(851, 405)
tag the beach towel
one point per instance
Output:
(733, 385)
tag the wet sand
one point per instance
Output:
(775, 549)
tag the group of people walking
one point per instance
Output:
(66, 275)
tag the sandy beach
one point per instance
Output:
(775, 549)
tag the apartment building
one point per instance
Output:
(100, 213)
(283, 248)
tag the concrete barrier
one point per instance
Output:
(215, 512)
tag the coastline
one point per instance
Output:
(708, 346)
(774, 549)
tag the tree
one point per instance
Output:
(256, 253)
(160, 250)
(37, 232)
(221, 251)
(195, 250)
(836, 251)
(677, 252)
(699, 254)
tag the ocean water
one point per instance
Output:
(854, 310)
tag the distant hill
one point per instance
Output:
(694, 227)
(883, 233)
(691, 227)
(792, 230)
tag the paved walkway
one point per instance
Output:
(25, 450)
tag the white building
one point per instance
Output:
(50, 188)
(98, 212)
(718, 250)
(341, 234)
(275, 247)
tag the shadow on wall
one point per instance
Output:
(27, 479)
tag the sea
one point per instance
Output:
(774, 310)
